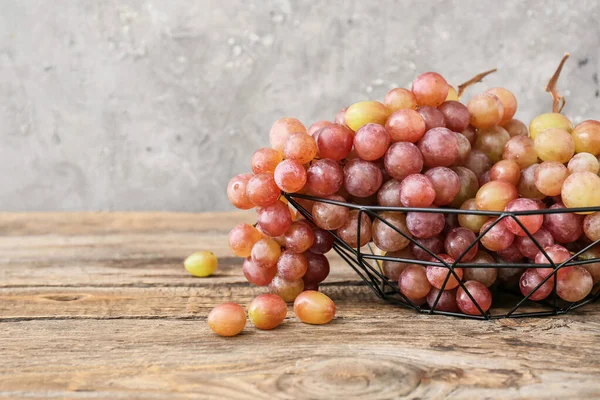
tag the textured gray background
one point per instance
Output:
(155, 104)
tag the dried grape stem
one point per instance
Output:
(477, 78)
(558, 102)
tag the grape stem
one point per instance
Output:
(558, 102)
(477, 78)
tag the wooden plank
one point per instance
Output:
(96, 305)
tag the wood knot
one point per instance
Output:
(63, 297)
(350, 378)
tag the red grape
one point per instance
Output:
(265, 160)
(437, 275)
(464, 148)
(405, 126)
(417, 190)
(430, 89)
(557, 253)
(413, 282)
(227, 319)
(335, 142)
(287, 290)
(486, 110)
(403, 159)
(291, 266)
(468, 186)
(267, 311)
(456, 115)
(447, 301)
(257, 275)
(507, 171)
(446, 184)
(265, 253)
(300, 147)
(432, 117)
(348, 232)
(497, 238)
(528, 248)
(439, 147)
(400, 99)
(531, 222)
(362, 178)
(312, 307)
(241, 239)
(478, 162)
(511, 254)
(457, 241)
(371, 142)
(317, 269)
(529, 281)
(527, 187)
(514, 127)
(385, 237)
(434, 244)
(564, 227)
(495, 196)
(324, 178)
(317, 126)
(299, 237)
(393, 269)
(323, 241)
(509, 103)
(425, 225)
(274, 219)
(591, 226)
(484, 275)
(574, 283)
(330, 216)
(491, 142)
(281, 131)
(262, 190)
(480, 294)
(389, 194)
(236, 191)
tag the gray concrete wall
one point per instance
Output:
(155, 104)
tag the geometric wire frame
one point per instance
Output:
(388, 290)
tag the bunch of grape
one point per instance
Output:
(423, 148)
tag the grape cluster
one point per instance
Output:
(423, 148)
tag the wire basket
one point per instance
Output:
(507, 303)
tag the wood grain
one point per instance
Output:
(99, 306)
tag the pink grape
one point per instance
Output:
(290, 176)
(405, 126)
(371, 142)
(433, 244)
(509, 103)
(257, 275)
(324, 178)
(262, 190)
(451, 222)
(484, 178)
(470, 133)
(267, 311)
(287, 290)
(484, 275)
(564, 227)
(507, 171)
(574, 284)
(515, 127)
(362, 178)
(478, 162)
(491, 141)
(323, 242)
(591, 226)
(529, 281)
(340, 117)
(413, 282)
(464, 148)
(457, 241)
(497, 238)
(468, 186)
(403, 159)
(300, 147)
(437, 275)
(330, 216)
(317, 269)
(509, 277)
(511, 253)
(385, 237)
(432, 117)
(282, 130)
(486, 110)
(265, 253)
(265, 160)
(389, 194)
(430, 89)
(274, 219)
(472, 222)
(447, 301)
(456, 115)
(241, 239)
(399, 99)
(291, 266)
(439, 147)
(528, 248)
(299, 237)
(318, 125)
(348, 231)
(495, 196)
(480, 294)
(531, 222)
(446, 184)
(557, 253)
(236, 191)
(417, 190)
(521, 150)
(393, 269)
(527, 187)
(424, 225)
(335, 142)
(549, 176)
(583, 162)
(227, 319)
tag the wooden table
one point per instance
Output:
(98, 305)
